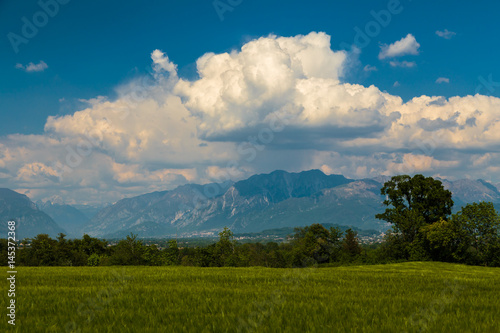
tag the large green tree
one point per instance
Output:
(414, 202)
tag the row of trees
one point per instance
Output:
(89, 251)
(418, 208)
(310, 245)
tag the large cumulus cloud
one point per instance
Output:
(164, 130)
(299, 76)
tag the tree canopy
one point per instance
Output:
(414, 202)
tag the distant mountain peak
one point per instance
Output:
(281, 185)
(8, 193)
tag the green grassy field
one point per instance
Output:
(406, 297)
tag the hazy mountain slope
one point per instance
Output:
(114, 217)
(30, 220)
(69, 218)
(164, 207)
(466, 190)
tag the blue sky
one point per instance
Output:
(96, 48)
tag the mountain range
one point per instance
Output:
(266, 201)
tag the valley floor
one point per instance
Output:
(405, 297)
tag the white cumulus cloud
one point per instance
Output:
(446, 34)
(442, 80)
(404, 64)
(369, 68)
(404, 46)
(161, 62)
(297, 76)
(31, 67)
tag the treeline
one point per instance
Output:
(310, 245)
(418, 208)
